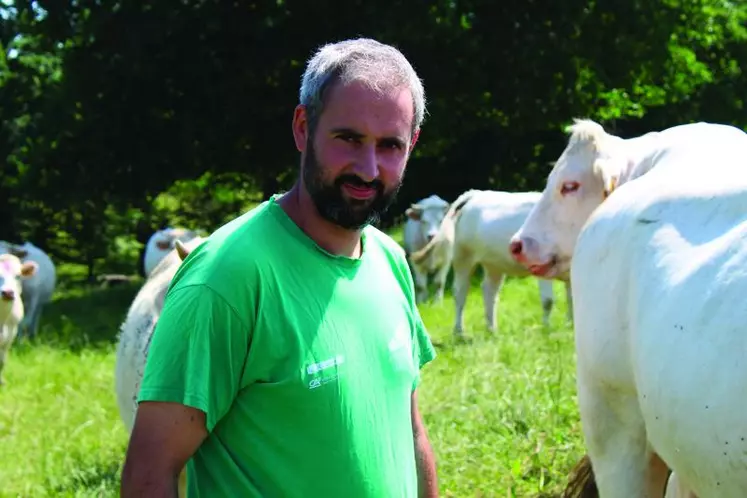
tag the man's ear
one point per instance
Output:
(300, 127)
(414, 139)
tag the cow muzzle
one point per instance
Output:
(526, 251)
(7, 294)
(523, 249)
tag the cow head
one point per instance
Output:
(430, 213)
(12, 271)
(584, 175)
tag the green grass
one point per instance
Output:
(500, 410)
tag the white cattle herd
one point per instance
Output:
(475, 230)
(25, 293)
(652, 233)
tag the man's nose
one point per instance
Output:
(367, 163)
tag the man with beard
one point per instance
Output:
(287, 355)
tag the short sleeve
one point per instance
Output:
(423, 351)
(197, 353)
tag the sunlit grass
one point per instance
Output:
(500, 409)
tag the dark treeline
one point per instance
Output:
(121, 117)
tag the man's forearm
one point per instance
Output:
(426, 464)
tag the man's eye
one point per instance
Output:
(391, 144)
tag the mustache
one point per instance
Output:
(358, 182)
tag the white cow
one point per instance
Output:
(423, 220)
(37, 289)
(12, 273)
(137, 329)
(654, 233)
(476, 230)
(161, 243)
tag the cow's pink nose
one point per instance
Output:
(515, 247)
(7, 294)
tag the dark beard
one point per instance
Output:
(350, 214)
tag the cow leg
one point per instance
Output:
(4, 349)
(440, 282)
(27, 327)
(569, 301)
(462, 270)
(491, 287)
(615, 436)
(421, 284)
(547, 297)
(33, 324)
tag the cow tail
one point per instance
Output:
(582, 483)
(447, 229)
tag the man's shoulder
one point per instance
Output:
(248, 236)
(233, 252)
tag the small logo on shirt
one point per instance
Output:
(323, 365)
(317, 368)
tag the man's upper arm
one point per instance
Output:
(197, 354)
(168, 434)
(417, 420)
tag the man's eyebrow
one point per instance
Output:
(346, 131)
(352, 133)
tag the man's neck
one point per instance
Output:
(300, 208)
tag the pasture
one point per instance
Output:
(501, 410)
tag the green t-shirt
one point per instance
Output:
(304, 362)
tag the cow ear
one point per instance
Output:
(414, 213)
(607, 171)
(28, 269)
(610, 185)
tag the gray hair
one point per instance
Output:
(378, 65)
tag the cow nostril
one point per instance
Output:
(515, 247)
(7, 295)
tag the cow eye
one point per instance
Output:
(569, 187)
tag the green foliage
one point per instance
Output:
(207, 202)
(120, 117)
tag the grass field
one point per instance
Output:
(500, 411)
